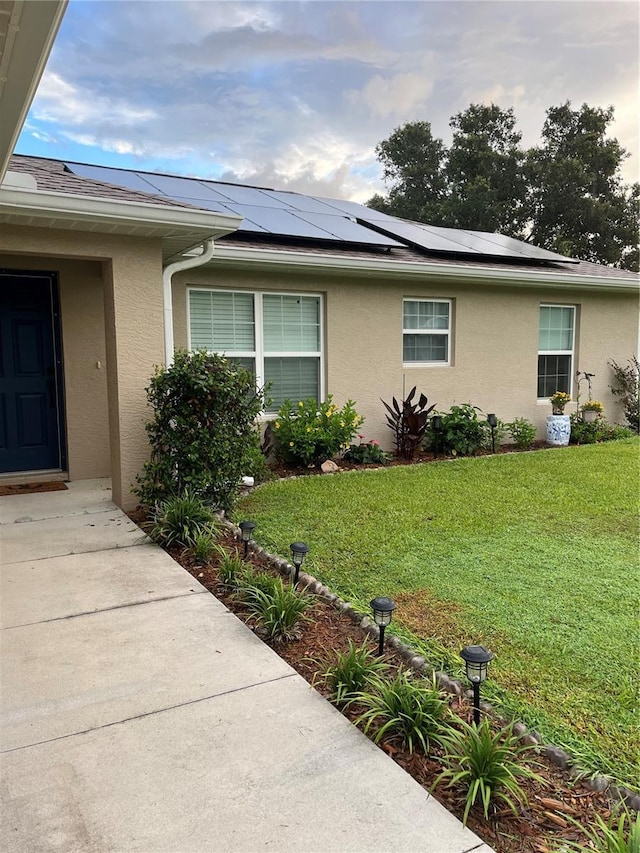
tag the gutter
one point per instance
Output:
(412, 269)
(167, 276)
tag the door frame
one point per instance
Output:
(56, 332)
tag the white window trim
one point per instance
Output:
(570, 353)
(447, 332)
(259, 355)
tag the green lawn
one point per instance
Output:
(532, 554)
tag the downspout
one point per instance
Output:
(167, 276)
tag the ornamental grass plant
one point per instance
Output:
(352, 672)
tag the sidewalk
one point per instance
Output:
(138, 714)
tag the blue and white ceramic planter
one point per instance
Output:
(558, 430)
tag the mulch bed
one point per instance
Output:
(32, 488)
(557, 807)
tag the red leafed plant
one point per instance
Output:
(408, 421)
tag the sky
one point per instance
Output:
(296, 95)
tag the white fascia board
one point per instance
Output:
(109, 212)
(329, 264)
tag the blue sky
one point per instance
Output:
(295, 95)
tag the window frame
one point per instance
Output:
(448, 332)
(259, 354)
(571, 353)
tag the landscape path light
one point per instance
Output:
(382, 614)
(476, 659)
(493, 423)
(298, 551)
(246, 529)
(436, 423)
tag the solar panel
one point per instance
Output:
(359, 211)
(249, 195)
(279, 222)
(119, 177)
(523, 249)
(185, 188)
(421, 237)
(307, 203)
(347, 230)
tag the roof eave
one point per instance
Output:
(327, 263)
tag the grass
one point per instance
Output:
(534, 555)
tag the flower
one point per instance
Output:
(308, 429)
(361, 436)
(593, 406)
(290, 444)
(374, 443)
(277, 425)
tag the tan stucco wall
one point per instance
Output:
(111, 309)
(494, 340)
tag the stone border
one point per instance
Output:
(418, 664)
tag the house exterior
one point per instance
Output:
(104, 272)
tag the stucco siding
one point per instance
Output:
(494, 340)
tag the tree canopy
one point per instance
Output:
(565, 194)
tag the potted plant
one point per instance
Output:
(591, 410)
(559, 424)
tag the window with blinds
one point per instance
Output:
(555, 349)
(426, 328)
(278, 336)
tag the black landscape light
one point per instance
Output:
(246, 529)
(298, 551)
(476, 659)
(382, 614)
(436, 423)
(493, 423)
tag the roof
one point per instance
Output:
(55, 176)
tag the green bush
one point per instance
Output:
(352, 672)
(462, 433)
(309, 432)
(619, 834)
(599, 430)
(486, 764)
(181, 519)
(202, 433)
(279, 609)
(232, 569)
(367, 453)
(627, 387)
(522, 432)
(202, 546)
(403, 709)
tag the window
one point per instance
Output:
(426, 327)
(277, 336)
(555, 349)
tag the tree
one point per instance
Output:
(579, 205)
(566, 195)
(412, 160)
(485, 172)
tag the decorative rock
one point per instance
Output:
(393, 642)
(468, 694)
(487, 707)
(454, 687)
(373, 631)
(519, 729)
(365, 622)
(557, 756)
(631, 799)
(598, 783)
(530, 739)
(329, 467)
(406, 653)
(417, 662)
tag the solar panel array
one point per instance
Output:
(288, 214)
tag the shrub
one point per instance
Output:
(279, 610)
(231, 568)
(308, 433)
(619, 834)
(248, 584)
(627, 387)
(180, 519)
(487, 764)
(202, 433)
(403, 709)
(202, 546)
(369, 453)
(462, 433)
(522, 432)
(352, 672)
(408, 422)
(599, 430)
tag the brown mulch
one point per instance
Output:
(557, 806)
(32, 488)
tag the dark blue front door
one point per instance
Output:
(31, 425)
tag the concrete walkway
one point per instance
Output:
(138, 714)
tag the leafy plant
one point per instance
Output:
(599, 430)
(309, 433)
(627, 387)
(408, 422)
(522, 432)
(202, 546)
(462, 433)
(558, 401)
(408, 711)
(279, 610)
(202, 432)
(366, 453)
(179, 519)
(249, 583)
(487, 764)
(231, 567)
(592, 406)
(619, 834)
(352, 672)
